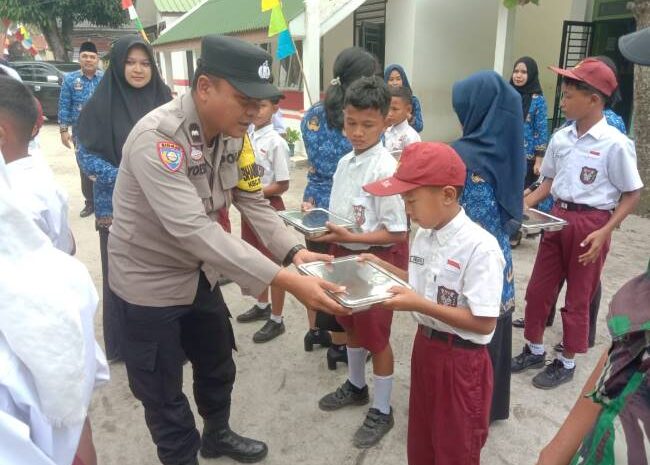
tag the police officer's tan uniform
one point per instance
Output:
(166, 253)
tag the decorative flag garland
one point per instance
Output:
(133, 15)
(21, 34)
(278, 26)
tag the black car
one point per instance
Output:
(44, 78)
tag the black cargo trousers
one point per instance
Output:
(157, 341)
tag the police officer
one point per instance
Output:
(182, 163)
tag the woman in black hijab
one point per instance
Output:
(130, 89)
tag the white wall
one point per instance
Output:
(439, 42)
(339, 38)
(179, 71)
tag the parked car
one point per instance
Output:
(44, 78)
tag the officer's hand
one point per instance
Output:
(311, 291)
(306, 256)
(66, 139)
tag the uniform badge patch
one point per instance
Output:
(359, 214)
(196, 153)
(249, 178)
(588, 175)
(447, 297)
(171, 155)
(78, 86)
(313, 124)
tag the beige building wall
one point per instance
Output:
(440, 42)
(339, 38)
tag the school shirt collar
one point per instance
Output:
(444, 234)
(368, 153)
(596, 131)
(400, 127)
(263, 132)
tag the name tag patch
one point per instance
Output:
(416, 260)
(171, 155)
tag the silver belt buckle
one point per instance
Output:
(564, 205)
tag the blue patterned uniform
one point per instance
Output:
(416, 123)
(76, 90)
(325, 147)
(481, 206)
(614, 120)
(105, 174)
(536, 127)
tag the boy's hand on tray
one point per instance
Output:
(306, 256)
(369, 257)
(337, 234)
(404, 299)
(306, 206)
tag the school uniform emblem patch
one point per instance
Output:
(447, 297)
(313, 124)
(359, 214)
(588, 175)
(171, 155)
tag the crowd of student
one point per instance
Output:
(366, 163)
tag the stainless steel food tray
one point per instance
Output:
(312, 223)
(366, 283)
(535, 221)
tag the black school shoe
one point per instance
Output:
(374, 427)
(554, 375)
(347, 394)
(255, 313)
(317, 337)
(269, 331)
(219, 442)
(88, 210)
(526, 359)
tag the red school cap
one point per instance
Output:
(593, 72)
(422, 164)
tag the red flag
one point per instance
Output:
(126, 4)
(19, 36)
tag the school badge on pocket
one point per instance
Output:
(447, 297)
(588, 175)
(171, 155)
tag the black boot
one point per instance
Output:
(216, 442)
(335, 354)
(317, 336)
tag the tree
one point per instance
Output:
(641, 11)
(56, 18)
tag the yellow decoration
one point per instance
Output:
(277, 23)
(249, 178)
(269, 4)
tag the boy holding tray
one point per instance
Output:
(382, 231)
(456, 270)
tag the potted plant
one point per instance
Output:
(292, 136)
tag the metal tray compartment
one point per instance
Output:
(312, 223)
(535, 221)
(366, 283)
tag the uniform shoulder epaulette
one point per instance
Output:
(171, 121)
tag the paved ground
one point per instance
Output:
(278, 384)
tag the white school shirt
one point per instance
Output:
(349, 200)
(42, 199)
(459, 265)
(399, 136)
(271, 155)
(26, 434)
(594, 169)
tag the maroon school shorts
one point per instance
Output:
(372, 327)
(249, 236)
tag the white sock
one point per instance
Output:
(383, 389)
(536, 349)
(357, 366)
(569, 363)
(276, 318)
(262, 304)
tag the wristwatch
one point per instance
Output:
(288, 260)
(63, 128)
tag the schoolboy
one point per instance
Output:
(38, 194)
(383, 227)
(400, 133)
(590, 169)
(272, 163)
(456, 271)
